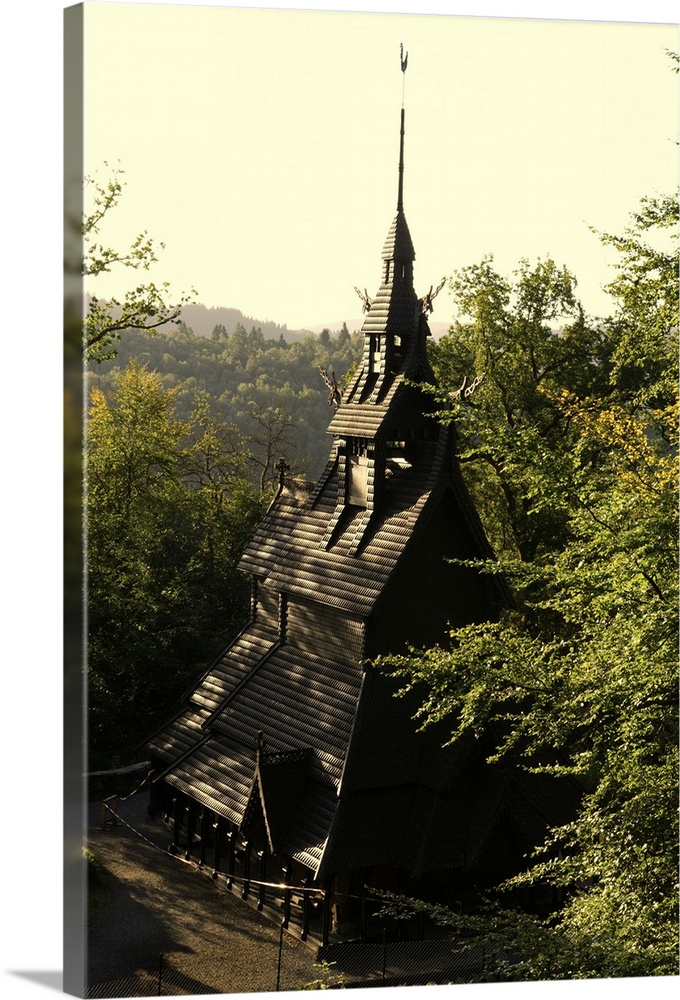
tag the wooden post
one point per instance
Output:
(154, 806)
(326, 916)
(205, 834)
(384, 962)
(305, 910)
(190, 811)
(263, 878)
(178, 812)
(286, 899)
(217, 828)
(231, 857)
(363, 927)
(109, 809)
(246, 870)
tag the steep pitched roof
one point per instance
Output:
(279, 782)
(398, 245)
(337, 575)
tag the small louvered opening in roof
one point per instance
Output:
(357, 487)
(376, 346)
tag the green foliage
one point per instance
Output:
(646, 287)
(569, 445)
(269, 389)
(169, 510)
(141, 308)
(96, 873)
(326, 980)
(513, 431)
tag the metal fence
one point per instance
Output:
(168, 981)
(339, 966)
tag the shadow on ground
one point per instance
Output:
(150, 904)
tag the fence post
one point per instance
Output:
(160, 975)
(105, 821)
(263, 878)
(246, 869)
(217, 827)
(384, 968)
(190, 811)
(231, 857)
(278, 965)
(177, 824)
(205, 832)
(363, 926)
(286, 899)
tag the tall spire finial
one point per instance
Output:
(400, 198)
(403, 58)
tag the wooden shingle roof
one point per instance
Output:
(398, 245)
(336, 576)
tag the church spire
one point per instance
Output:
(398, 247)
(400, 197)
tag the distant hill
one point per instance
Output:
(203, 320)
(437, 329)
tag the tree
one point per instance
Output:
(507, 337)
(142, 308)
(270, 437)
(646, 289)
(269, 375)
(580, 678)
(168, 514)
(344, 335)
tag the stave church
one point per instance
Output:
(291, 770)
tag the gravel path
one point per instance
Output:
(152, 904)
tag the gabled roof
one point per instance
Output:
(279, 782)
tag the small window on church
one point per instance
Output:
(357, 476)
(376, 347)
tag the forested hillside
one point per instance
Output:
(270, 391)
(203, 320)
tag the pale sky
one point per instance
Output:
(262, 145)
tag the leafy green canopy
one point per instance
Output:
(270, 389)
(169, 511)
(569, 448)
